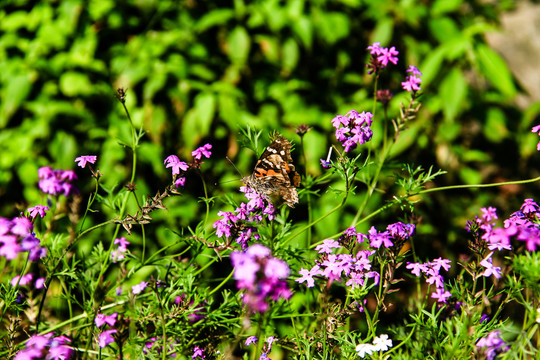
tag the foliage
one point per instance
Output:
(135, 81)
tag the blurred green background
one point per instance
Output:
(198, 71)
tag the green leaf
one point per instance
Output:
(214, 18)
(495, 129)
(75, 84)
(239, 44)
(453, 91)
(290, 54)
(198, 120)
(493, 66)
(14, 94)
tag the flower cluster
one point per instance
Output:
(237, 224)
(198, 353)
(412, 82)
(27, 279)
(180, 167)
(380, 57)
(261, 275)
(106, 337)
(394, 235)
(45, 347)
(492, 345)
(267, 347)
(380, 343)
(56, 182)
(334, 265)
(16, 236)
(119, 253)
(431, 271)
(521, 225)
(353, 129)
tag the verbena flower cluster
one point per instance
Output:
(57, 182)
(267, 346)
(353, 270)
(16, 236)
(353, 129)
(240, 224)
(521, 226)
(106, 336)
(47, 347)
(492, 345)
(431, 270)
(412, 82)
(261, 276)
(380, 57)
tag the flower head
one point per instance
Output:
(202, 151)
(83, 160)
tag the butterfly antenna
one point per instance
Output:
(239, 173)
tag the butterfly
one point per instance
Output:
(274, 176)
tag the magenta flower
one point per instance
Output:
(102, 319)
(380, 57)
(121, 250)
(38, 209)
(106, 338)
(356, 129)
(198, 353)
(45, 347)
(202, 151)
(56, 182)
(388, 55)
(262, 276)
(243, 220)
(492, 345)
(22, 280)
(490, 269)
(83, 160)
(137, 289)
(412, 81)
(180, 182)
(172, 161)
(251, 340)
(307, 275)
(441, 295)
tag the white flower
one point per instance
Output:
(382, 343)
(363, 349)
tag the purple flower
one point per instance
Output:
(327, 246)
(262, 276)
(9, 246)
(356, 129)
(412, 82)
(22, 280)
(198, 353)
(45, 347)
(82, 160)
(38, 209)
(102, 319)
(307, 275)
(529, 206)
(251, 213)
(492, 344)
(202, 151)
(172, 161)
(106, 338)
(388, 55)
(137, 289)
(380, 57)
(490, 269)
(121, 250)
(55, 182)
(181, 181)
(251, 340)
(441, 295)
